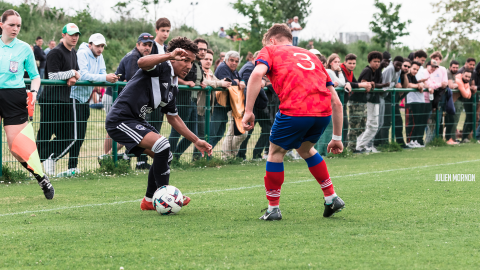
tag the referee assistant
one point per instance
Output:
(15, 57)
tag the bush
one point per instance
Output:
(391, 147)
(107, 166)
(13, 176)
(437, 142)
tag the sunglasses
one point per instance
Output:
(147, 37)
(407, 66)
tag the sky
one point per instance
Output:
(326, 20)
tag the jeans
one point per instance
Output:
(188, 113)
(263, 119)
(295, 41)
(218, 124)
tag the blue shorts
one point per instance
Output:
(289, 132)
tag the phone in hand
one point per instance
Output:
(228, 79)
(119, 75)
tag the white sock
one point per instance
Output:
(140, 163)
(329, 199)
(270, 208)
(148, 199)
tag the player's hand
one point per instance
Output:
(335, 147)
(248, 121)
(112, 78)
(34, 98)
(191, 84)
(178, 54)
(204, 147)
(71, 81)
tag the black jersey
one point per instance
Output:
(145, 92)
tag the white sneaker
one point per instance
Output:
(372, 149)
(49, 166)
(265, 156)
(69, 172)
(418, 145)
(412, 144)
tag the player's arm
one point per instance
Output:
(335, 146)
(150, 61)
(177, 123)
(254, 87)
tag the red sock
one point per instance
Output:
(318, 168)
(273, 182)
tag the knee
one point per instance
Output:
(161, 146)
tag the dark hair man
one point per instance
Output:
(187, 101)
(41, 59)
(451, 121)
(364, 133)
(463, 81)
(356, 108)
(52, 44)
(56, 108)
(390, 77)
(468, 125)
(162, 31)
(307, 103)
(127, 67)
(416, 110)
(153, 87)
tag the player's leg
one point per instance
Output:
(318, 167)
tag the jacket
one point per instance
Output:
(128, 66)
(210, 80)
(262, 100)
(91, 69)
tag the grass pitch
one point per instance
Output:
(397, 217)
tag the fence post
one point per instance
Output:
(114, 144)
(208, 109)
(474, 117)
(393, 114)
(1, 151)
(342, 97)
(437, 121)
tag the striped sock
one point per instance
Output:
(318, 169)
(273, 182)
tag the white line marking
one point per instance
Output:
(234, 189)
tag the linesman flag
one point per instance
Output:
(24, 146)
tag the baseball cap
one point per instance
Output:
(432, 63)
(97, 39)
(71, 28)
(315, 51)
(145, 37)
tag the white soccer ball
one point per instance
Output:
(168, 200)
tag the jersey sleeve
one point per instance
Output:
(264, 58)
(154, 72)
(171, 108)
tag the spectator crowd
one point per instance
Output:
(367, 113)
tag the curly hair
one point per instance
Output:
(182, 43)
(374, 55)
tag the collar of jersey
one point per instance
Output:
(14, 41)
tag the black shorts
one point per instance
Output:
(130, 133)
(13, 106)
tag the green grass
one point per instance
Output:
(397, 217)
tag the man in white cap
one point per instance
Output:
(92, 68)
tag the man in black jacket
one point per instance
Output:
(261, 112)
(41, 59)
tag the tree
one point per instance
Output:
(457, 27)
(263, 14)
(386, 24)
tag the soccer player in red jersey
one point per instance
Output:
(307, 99)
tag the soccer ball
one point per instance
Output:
(167, 200)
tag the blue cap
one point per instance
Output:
(145, 37)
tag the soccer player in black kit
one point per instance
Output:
(154, 86)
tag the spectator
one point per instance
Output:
(210, 80)
(476, 82)
(310, 45)
(92, 68)
(127, 67)
(261, 112)
(437, 81)
(226, 70)
(319, 56)
(370, 128)
(399, 99)
(420, 57)
(57, 108)
(52, 44)
(416, 110)
(289, 23)
(390, 77)
(357, 105)
(187, 101)
(222, 33)
(60, 41)
(463, 81)
(468, 102)
(219, 60)
(41, 60)
(296, 28)
(451, 121)
(336, 75)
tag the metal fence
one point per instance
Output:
(73, 132)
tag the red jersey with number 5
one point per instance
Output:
(299, 79)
